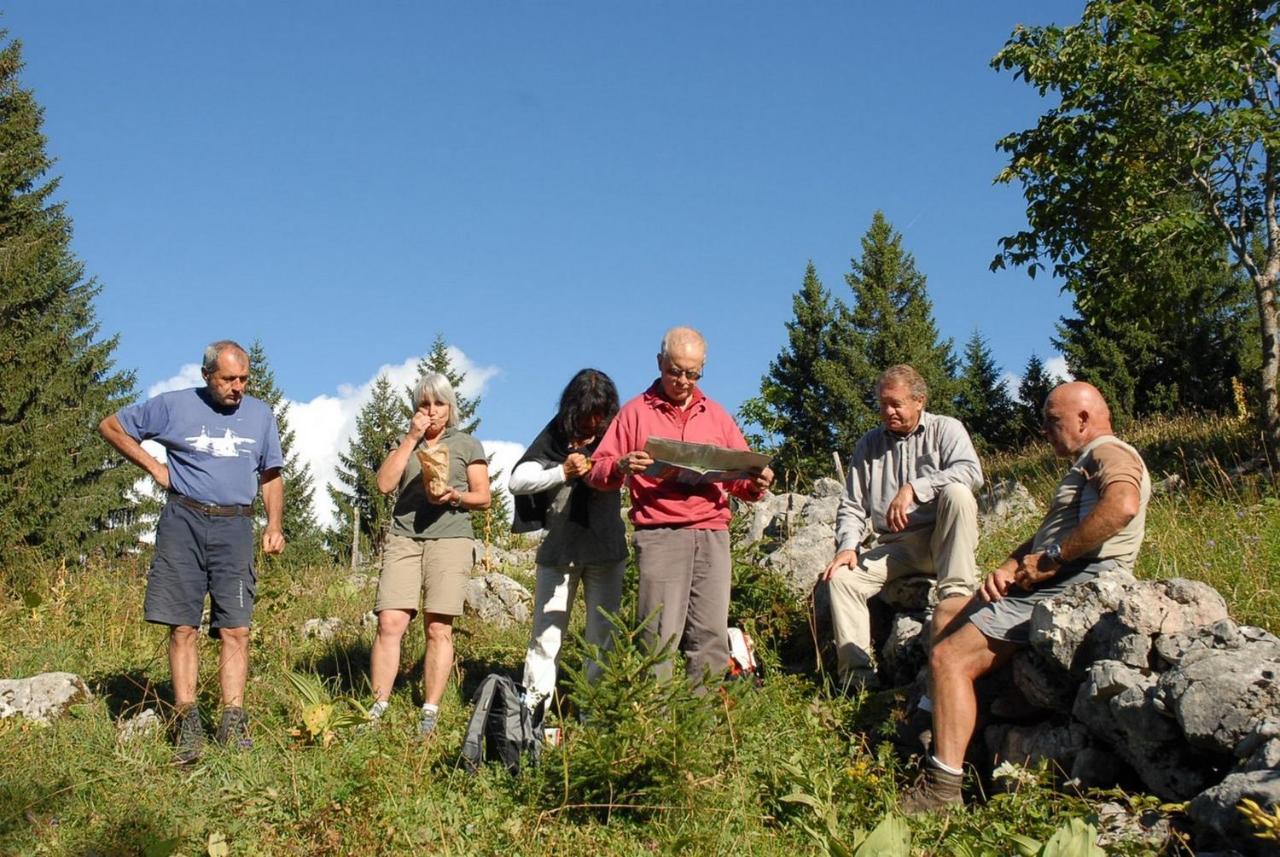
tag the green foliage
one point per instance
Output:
(644, 741)
(301, 530)
(804, 390)
(1033, 390)
(63, 492)
(983, 403)
(322, 715)
(380, 423)
(890, 322)
(1162, 147)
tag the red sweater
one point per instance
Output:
(665, 502)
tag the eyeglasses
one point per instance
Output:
(674, 372)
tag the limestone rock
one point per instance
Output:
(369, 621)
(828, 487)
(1215, 815)
(1118, 823)
(1116, 702)
(42, 698)
(802, 557)
(902, 655)
(1223, 695)
(1005, 502)
(321, 629)
(1042, 683)
(1058, 742)
(774, 515)
(499, 600)
(141, 725)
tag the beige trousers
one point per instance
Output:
(946, 553)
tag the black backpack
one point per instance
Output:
(501, 728)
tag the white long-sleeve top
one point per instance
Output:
(530, 477)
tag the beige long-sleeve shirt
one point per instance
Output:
(938, 452)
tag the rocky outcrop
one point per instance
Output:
(42, 698)
(498, 600)
(321, 629)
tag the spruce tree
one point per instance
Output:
(983, 404)
(803, 391)
(63, 492)
(379, 426)
(301, 530)
(1034, 388)
(891, 321)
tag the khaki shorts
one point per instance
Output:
(434, 569)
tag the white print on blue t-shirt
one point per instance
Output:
(222, 447)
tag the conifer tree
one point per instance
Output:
(891, 321)
(983, 404)
(805, 392)
(301, 530)
(63, 492)
(1034, 388)
(379, 425)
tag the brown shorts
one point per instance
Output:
(434, 569)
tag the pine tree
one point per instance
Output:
(63, 492)
(803, 391)
(301, 530)
(379, 425)
(438, 360)
(891, 321)
(1034, 388)
(983, 403)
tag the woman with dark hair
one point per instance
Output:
(585, 540)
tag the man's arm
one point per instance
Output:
(616, 456)
(1117, 505)
(113, 433)
(852, 515)
(273, 501)
(957, 462)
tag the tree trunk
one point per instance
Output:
(1269, 326)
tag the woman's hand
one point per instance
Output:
(576, 465)
(418, 425)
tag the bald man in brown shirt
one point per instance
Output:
(1095, 524)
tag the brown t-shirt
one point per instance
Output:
(1105, 461)
(416, 518)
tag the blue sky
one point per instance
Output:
(548, 185)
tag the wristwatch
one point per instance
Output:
(456, 502)
(1054, 553)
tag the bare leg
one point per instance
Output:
(438, 661)
(957, 661)
(384, 661)
(945, 614)
(184, 663)
(233, 665)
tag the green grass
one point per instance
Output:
(751, 774)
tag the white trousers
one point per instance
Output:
(552, 600)
(946, 552)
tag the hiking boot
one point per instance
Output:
(233, 729)
(189, 740)
(427, 723)
(935, 789)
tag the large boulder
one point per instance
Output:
(42, 698)
(1217, 817)
(1220, 696)
(773, 516)
(1005, 502)
(498, 600)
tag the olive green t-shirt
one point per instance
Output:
(416, 518)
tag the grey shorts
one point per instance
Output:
(199, 554)
(1009, 618)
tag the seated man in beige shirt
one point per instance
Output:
(909, 510)
(1094, 525)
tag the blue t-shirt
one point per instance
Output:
(215, 454)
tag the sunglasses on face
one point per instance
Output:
(691, 374)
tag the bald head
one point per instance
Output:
(1074, 415)
(680, 363)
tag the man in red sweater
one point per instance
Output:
(681, 531)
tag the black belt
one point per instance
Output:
(212, 509)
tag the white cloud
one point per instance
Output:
(1057, 366)
(188, 376)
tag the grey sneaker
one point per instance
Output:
(233, 729)
(935, 789)
(374, 722)
(189, 740)
(427, 723)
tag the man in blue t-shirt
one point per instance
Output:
(220, 445)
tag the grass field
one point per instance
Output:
(784, 768)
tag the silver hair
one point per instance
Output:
(906, 376)
(676, 334)
(436, 386)
(214, 350)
